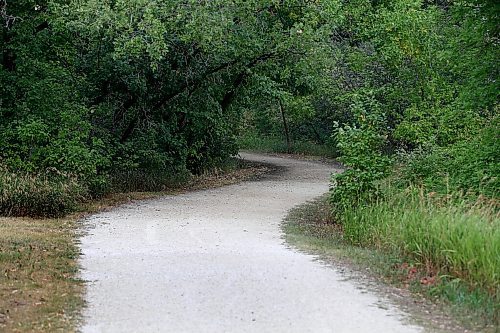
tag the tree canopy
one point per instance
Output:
(92, 85)
(92, 88)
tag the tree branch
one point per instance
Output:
(190, 88)
(9, 19)
(240, 78)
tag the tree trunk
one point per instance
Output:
(285, 127)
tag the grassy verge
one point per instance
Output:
(444, 251)
(278, 145)
(39, 289)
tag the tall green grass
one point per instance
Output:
(448, 237)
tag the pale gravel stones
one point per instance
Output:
(214, 261)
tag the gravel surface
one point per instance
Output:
(215, 261)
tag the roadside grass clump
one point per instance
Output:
(449, 240)
(53, 194)
(36, 195)
(143, 180)
(457, 238)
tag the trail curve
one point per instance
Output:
(215, 261)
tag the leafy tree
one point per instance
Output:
(432, 67)
(94, 86)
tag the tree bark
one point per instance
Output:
(285, 127)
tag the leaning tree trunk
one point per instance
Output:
(285, 127)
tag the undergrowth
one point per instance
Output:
(452, 243)
(51, 194)
(444, 236)
(23, 194)
(271, 144)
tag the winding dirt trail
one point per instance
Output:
(214, 261)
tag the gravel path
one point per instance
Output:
(214, 261)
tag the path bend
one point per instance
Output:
(214, 261)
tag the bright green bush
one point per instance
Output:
(361, 147)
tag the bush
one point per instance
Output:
(139, 180)
(38, 195)
(98, 186)
(471, 165)
(361, 147)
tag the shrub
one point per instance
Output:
(361, 147)
(138, 180)
(445, 236)
(471, 165)
(98, 186)
(38, 195)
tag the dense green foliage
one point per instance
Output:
(429, 71)
(432, 68)
(422, 147)
(96, 91)
(470, 165)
